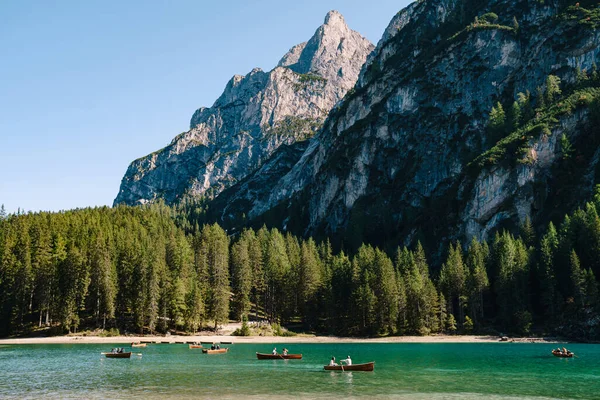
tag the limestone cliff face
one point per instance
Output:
(394, 160)
(254, 116)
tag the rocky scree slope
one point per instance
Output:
(408, 154)
(255, 115)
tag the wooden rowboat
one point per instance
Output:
(354, 367)
(138, 345)
(263, 356)
(118, 355)
(195, 346)
(219, 351)
(561, 354)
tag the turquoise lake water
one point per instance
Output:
(402, 371)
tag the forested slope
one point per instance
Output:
(138, 270)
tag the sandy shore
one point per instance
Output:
(263, 339)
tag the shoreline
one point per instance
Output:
(176, 339)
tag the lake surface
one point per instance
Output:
(402, 371)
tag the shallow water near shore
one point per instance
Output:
(402, 371)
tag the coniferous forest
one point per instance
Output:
(147, 270)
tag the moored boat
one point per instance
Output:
(354, 367)
(118, 355)
(560, 354)
(217, 351)
(139, 344)
(264, 356)
(195, 346)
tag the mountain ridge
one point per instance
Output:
(391, 162)
(255, 115)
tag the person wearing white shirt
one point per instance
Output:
(348, 361)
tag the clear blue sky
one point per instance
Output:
(88, 86)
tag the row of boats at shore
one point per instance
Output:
(216, 349)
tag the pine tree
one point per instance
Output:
(103, 286)
(401, 320)
(566, 148)
(515, 116)
(386, 290)
(541, 98)
(546, 272)
(592, 299)
(527, 232)
(241, 274)
(468, 324)
(552, 88)
(365, 299)
(453, 280)
(341, 292)
(309, 281)
(577, 281)
(451, 324)
(524, 101)
(497, 123)
(442, 313)
(477, 281)
(217, 242)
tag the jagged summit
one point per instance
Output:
(335, 18)
(255, 115)
(333, 44)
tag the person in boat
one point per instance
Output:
(348, 361)
(285, 352)
(274, 351)
(332, 363)
(218, 347)
(212, 347)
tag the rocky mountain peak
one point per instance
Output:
(335, 19)
(333, 52)
(257, 113)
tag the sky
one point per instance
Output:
(86, 87)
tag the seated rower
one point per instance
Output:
(218, 347)
(285, 352)
(348, 361)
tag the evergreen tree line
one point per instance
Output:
(136, 269)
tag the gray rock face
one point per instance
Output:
(254, 116)
(390, 164)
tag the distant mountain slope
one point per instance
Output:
(255, 115)
(410, 153)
